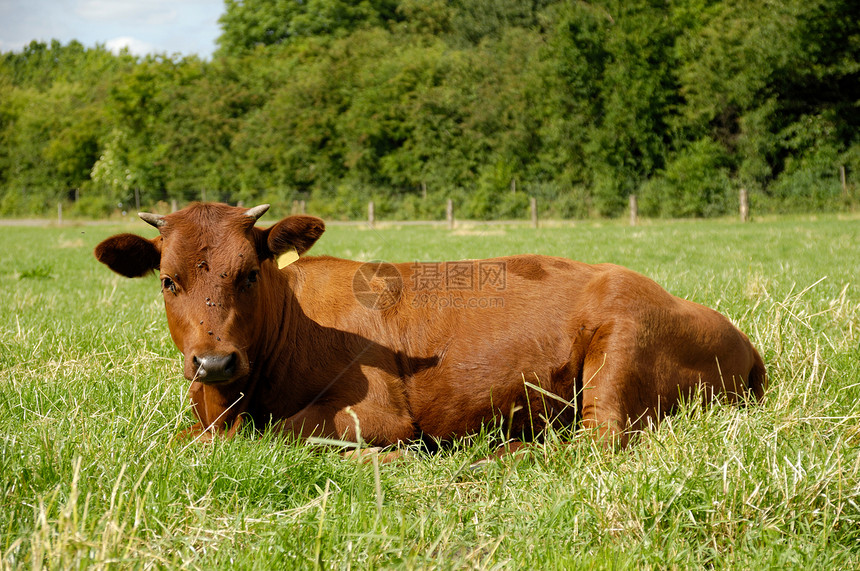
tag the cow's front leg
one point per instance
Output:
(194, 432)
(219, 410)
(346, 425)
(365, 422)
(199, 432)
(316, 420)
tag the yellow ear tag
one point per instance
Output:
(287, 258)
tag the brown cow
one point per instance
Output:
(421, 349)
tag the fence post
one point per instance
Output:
(449, 214)
(513, 186)
(745, 205)
(844, 180)
(423, 190)
(302, 207)
(59, 213)
(533, 207)
(173, 205)
(137, 198)
(634, 210)
(371, 218)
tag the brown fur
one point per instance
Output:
(309, 358)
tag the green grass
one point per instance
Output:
(91, 395)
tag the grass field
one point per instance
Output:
(91, 394)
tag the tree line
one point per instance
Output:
(486, 102)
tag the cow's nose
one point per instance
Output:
(215, 368)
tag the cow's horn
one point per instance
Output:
(257, 211)
(156, 220)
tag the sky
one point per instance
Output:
(167, 27)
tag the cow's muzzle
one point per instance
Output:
(215, 367)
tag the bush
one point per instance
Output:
(93, 206)
(415, 207)
(607, 194)
(344, 202)
(512, 206)
(11, 203)
(850, 159)
(696, 183)
(16, 202)
(478, 204)
(809, 183)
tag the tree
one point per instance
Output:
(754, 76)
(52, 121)
(247, 24)
(412, 102)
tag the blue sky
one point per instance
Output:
(144, 26)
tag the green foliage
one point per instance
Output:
(41, 271)
(93, 205)
(248, 24)
(581, 103)
(695, 183)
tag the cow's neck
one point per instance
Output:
(304, 358)
(287, 352)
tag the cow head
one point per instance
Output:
(218, 276)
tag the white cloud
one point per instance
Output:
(135, 46)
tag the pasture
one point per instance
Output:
(91, 394)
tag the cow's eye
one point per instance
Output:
(249, 280)
(168, 284)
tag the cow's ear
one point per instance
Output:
(130, 255)
(299, 232)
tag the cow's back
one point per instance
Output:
(491, 346)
